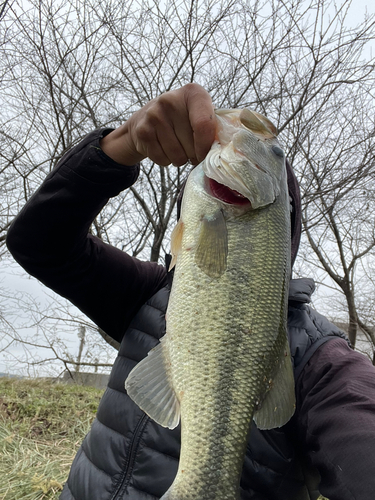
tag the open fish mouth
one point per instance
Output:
(224, 169)
(226, 194)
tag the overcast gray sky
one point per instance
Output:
(15, 280)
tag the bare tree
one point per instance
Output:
(339, 225)
(68, 67)
(42, 337)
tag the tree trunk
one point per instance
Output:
(353, 319)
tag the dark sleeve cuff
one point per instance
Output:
(86, 162)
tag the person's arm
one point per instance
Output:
(50, 238)
(336, 415)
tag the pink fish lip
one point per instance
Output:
(225, 194)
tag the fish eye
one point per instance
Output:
(278, 151)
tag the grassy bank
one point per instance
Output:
(41, 427)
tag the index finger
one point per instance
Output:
(202, 119)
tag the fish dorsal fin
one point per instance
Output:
(279, 404)
(149, 386)
(176, 242)
(212, 247)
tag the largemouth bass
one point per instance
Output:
(225, 358)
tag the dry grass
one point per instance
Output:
(41, 427)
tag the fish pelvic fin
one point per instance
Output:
(176, 242)
(149, 386)
(212, 247)
(279, 403)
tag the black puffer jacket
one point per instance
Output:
(127, 455)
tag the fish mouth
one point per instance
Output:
(226, 194)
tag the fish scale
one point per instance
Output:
(225, 357)
(233, 383)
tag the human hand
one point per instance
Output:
(173, 128)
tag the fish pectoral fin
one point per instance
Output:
(212, 247)
(279, 403)
(176, 242)
(149, 386)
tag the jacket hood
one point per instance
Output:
(300, 290)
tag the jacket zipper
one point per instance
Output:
(133, 448)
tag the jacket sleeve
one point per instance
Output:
(50, 239)
(336, 416)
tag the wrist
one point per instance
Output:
(120, 148)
